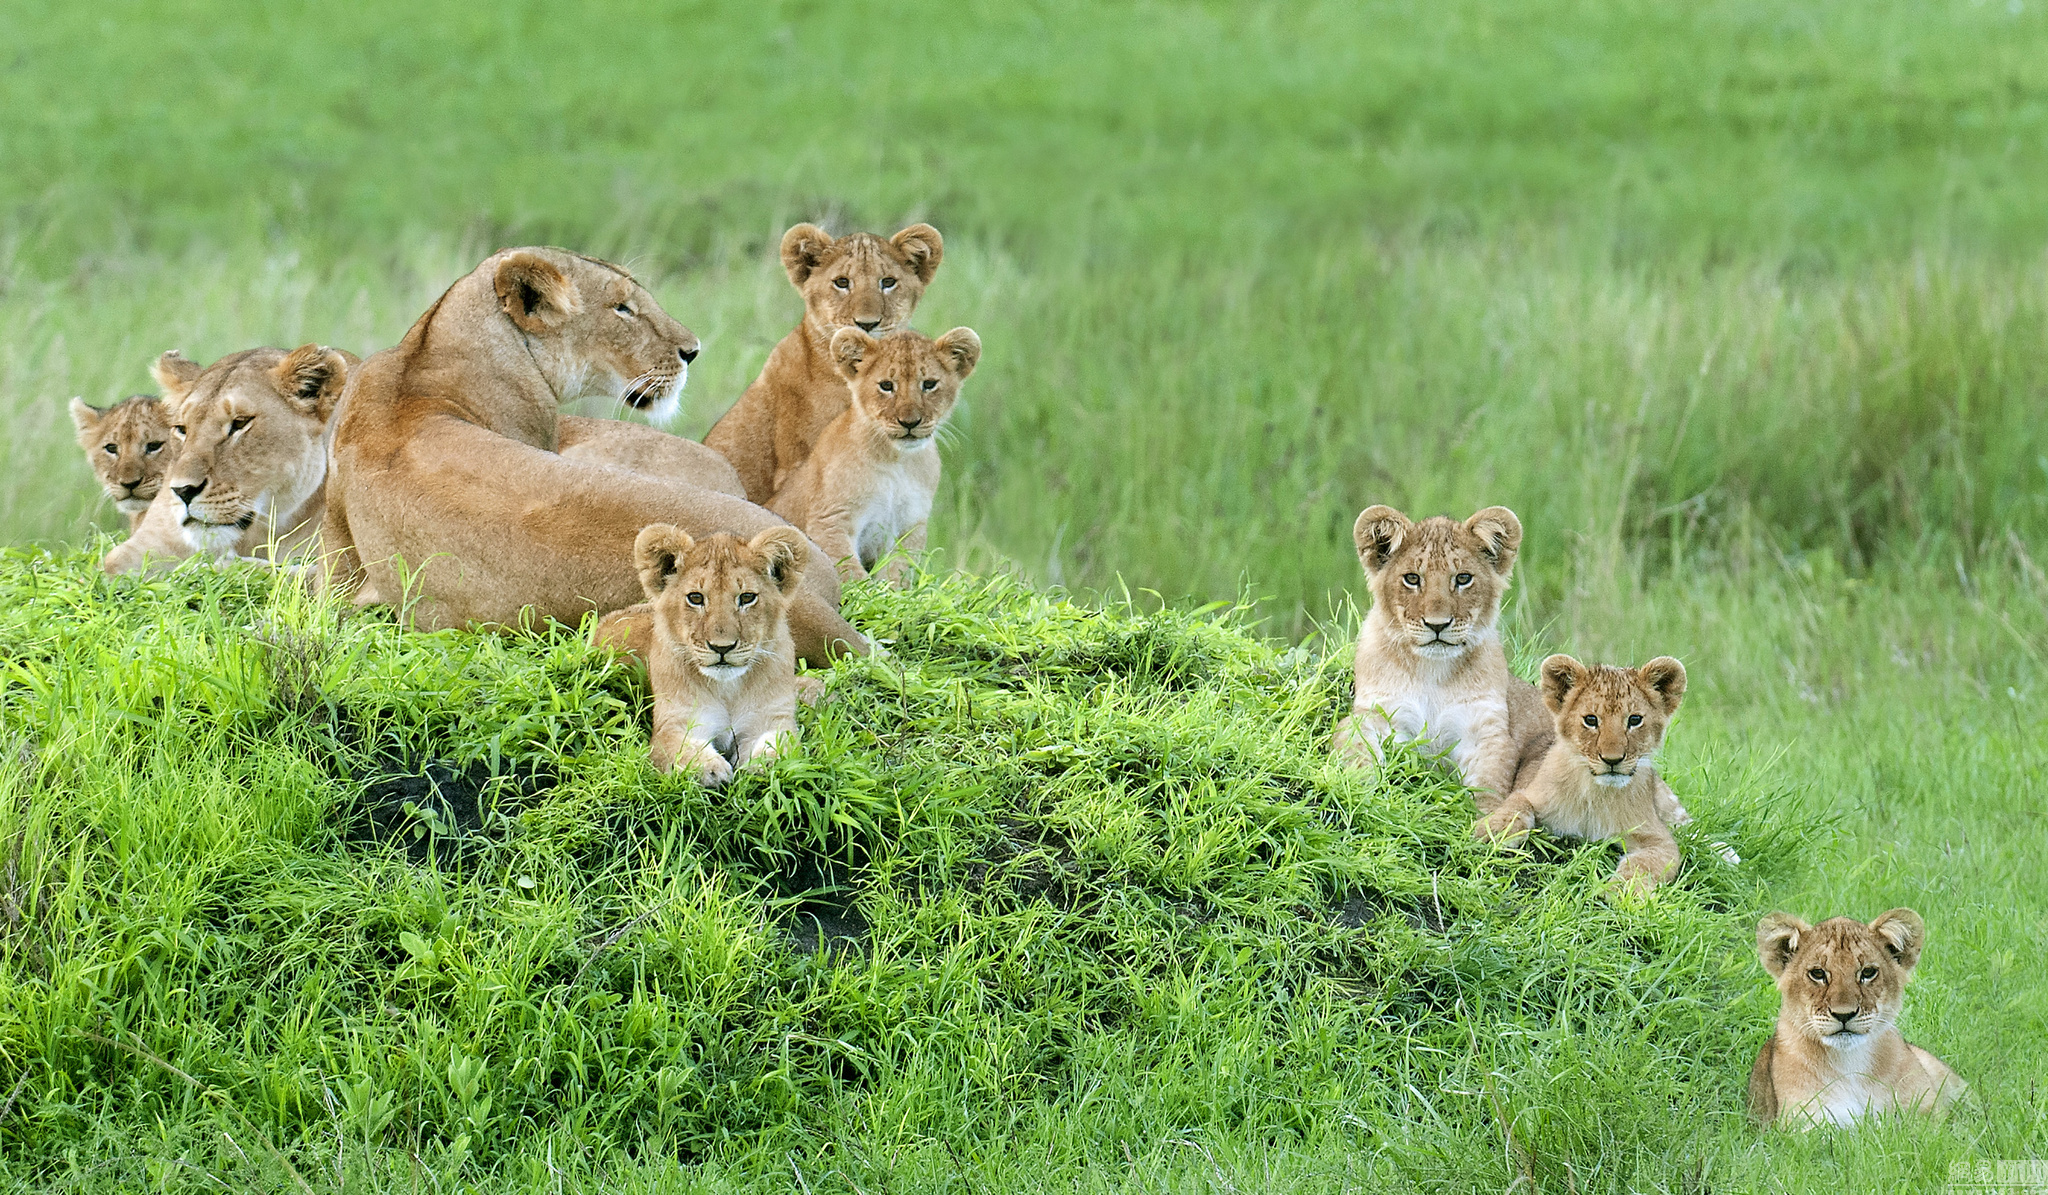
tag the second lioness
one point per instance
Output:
(869, 482)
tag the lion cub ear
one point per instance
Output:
(1559, 675)
(1500, 536)
(1903, 934)
(803, 248)
(1666, 680)
(960, 349)
(658, 553)
(310, 378)
(785, 550)
(1777, 940)
(175, 374)
(85, 417)
(923, 248)
(851, 346)
(1378, 534)
(534, 292)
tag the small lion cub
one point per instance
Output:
(723, 666)
(129, 446)
(869, 482)
(1837, 1055)
(1599, 779)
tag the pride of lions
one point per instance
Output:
(439, 477)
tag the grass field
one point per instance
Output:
(1742, 306)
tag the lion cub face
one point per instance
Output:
(860, 280)
(1612, 719)
(905, 384)
(721, 602)
(1841, 981)
(128, 445)
(250, 428)
(594, 331)
(1440, 582)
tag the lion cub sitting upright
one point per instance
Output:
(128, 445)
(1430, 666)
(1599, 778)
(723, 665)
(871, 479)
(1837, 1055)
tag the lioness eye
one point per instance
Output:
(888, 284)
(1817, 975)
(153, 446)
(886, 387)
(1593, 720)
(1867, 974)
(240, 423)
(113, 450)
(1412, 580)
(747, 599)
(930, 383)
(1464, 579)
(841, 283)
(1635, 720)
(624, 310)
(694, 598)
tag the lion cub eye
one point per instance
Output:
(624, 311)
(1867, 974)
(113, 450)
(1817, 975)
(842, 283)
(747, 599)
(240, 422)
(1464, 579)
(888, 284)
(1634, 720)
(930, 383)
(694, 598)
(178, 430)
(886, 386)
(153, 447)
(1593, 720)
(1411, 580)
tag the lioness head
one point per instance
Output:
(250, 428)
(1439, 582)
(905, 383)
(129, 446)
(1840, 981)
(720, 602)
(594, 331)
(1613, 718)
(860, 280)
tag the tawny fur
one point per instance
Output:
(1836, 1055)
(867, 487)
(128, 445)
(459, 493)
(249, 478)
(775, 425)
(1429, 666)
(721, 664)
(1599, 779)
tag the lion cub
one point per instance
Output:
(871, 479)
(856, 281)
(722, 665)
(1429, 665)
(129, 446)
(1837, 1055)
(1599, 778)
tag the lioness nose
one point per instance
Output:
(1843, 1017)
(688, 355)
(186, 493)
(867, 325)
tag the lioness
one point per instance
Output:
(129, 446)
(1836, 1055)
(251, 461)
(856, 281)
(869, 482)
(1599, 779)
(1429, 664)
(449, 495)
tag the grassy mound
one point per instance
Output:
(306, 884)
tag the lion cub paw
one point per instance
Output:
(1502, 827)
(711, 770)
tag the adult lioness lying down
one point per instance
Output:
(448, 494)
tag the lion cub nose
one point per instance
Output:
(867, 325)
(1436, 626)
(1843, 1017)
(722, 648)
(186, 493)
(910, 425)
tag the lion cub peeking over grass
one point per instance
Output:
(1837, 1055)
(128, 445)
(1599, 778)
(870, 481)
(1430, 666)
(722, 665)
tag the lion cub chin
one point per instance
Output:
(870, 481)
(129, 446)
(1837, 1055)
(722, 664)
(1599, 779)
(1429, 665)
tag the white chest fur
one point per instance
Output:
(898, 500)
(1439, 721)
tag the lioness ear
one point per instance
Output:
(961, 350)
(175, 374)
(658, 552)
(1666, 678)
(85, 417)
(851, 346)
(1903, 933)
(310, 378)
(1777, 940)
(785, 549)
(1559, 675)
(1378, 534)
(922, 247)
(803, 247)
(537, 295)
(1500, 535)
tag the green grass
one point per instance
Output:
(1742, 306)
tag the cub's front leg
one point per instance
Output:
(896, 569)
(1508, 825)
(683, 741)
(1485, 755)
(1649, 859)
(1359, 736)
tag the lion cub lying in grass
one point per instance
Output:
(129, 446)
(1599, 778)
(722, 664)
(1837, 1055)
(869, 482)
